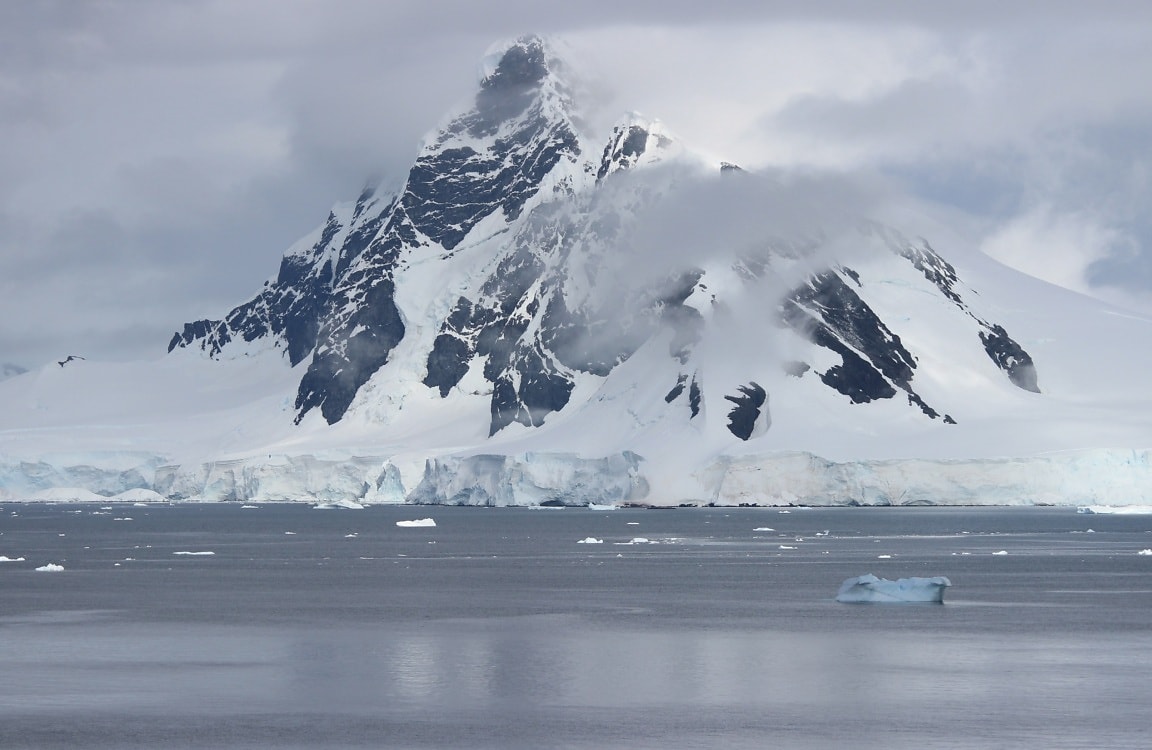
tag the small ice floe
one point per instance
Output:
(632, 523)
(1001, 552)
(21, 559)
(1141, 552)
(249, 507)
(601, 506)
(763, 528)
(883, 557)
(868, 589)
(590, 540)
(351, 536)
(339, 505)
(197, 554)
(1124, 510)
(289, 533)
(50, 568)
(636, 540)
(417, 523)
(124, 518)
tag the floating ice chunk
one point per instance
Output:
(785, 546)
(1122, 510)
(1141, 552)
(21, 559)
(339, 505)
(249, 507)
(417, 523)
(590, 540)
(289, 533)
(193, 553)
(763, 528)
(868, 589)
(637, 540)
(602, 506)
(50, 568)
(1001, 552)
(139, 496)
(884, 557)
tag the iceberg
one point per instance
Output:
(868, 589)
(50, 568)
(1119, 510)
(417, 523)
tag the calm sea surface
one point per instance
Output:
(497, 628)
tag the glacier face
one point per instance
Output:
(1086, 479)
(539, 313)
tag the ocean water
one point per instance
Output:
(497, 628)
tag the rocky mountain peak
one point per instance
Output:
(498, 275)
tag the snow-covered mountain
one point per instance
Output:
(540, 312)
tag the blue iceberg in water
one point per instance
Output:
(868, 589)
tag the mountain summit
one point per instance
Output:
(506, 241)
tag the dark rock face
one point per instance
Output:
(748, 405)
(623, 149)
(1011, 358)
(695, 397)
(830, 314)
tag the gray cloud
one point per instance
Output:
(158, 157)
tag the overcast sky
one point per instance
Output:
(158, 156)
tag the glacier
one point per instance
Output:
(868, 589)
(1097, 479)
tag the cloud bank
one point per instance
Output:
(159, 157)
